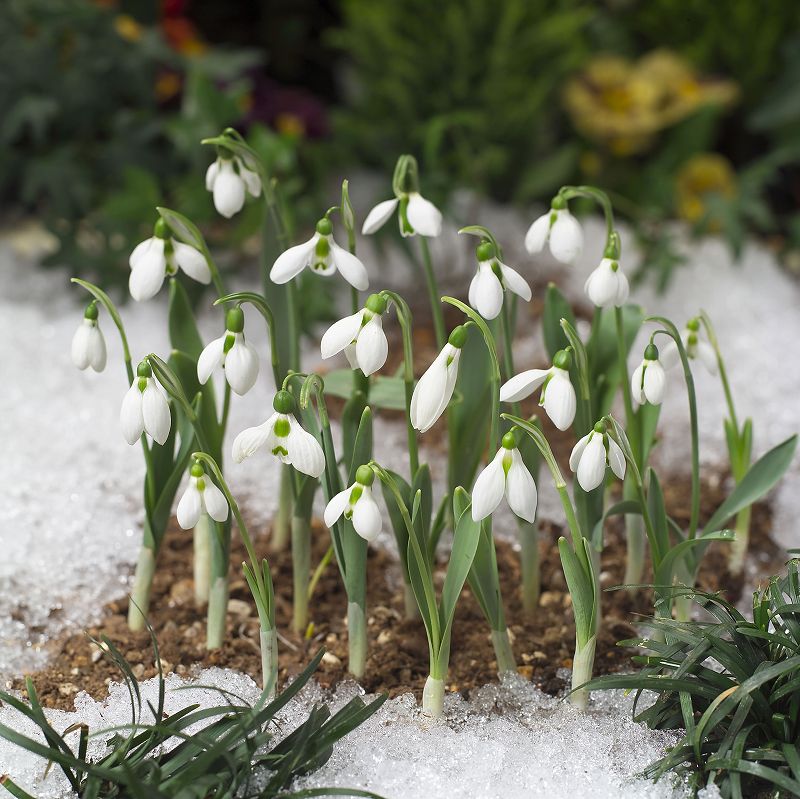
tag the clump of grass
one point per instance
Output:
(733, 685)
(234, 755)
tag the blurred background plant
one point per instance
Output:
(683, 109)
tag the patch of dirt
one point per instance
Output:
(398, 653)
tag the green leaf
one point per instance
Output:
(396, 517)
(351, 420)
(581, 590)
(183, 333)
(362, 446)
(556, 308)
(484, 580)
(387, 393)
(184, 229)
(759, 479)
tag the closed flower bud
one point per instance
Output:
(88, 344)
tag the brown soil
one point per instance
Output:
(398, 654)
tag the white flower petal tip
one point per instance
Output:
(523, 385)
(592, 455)
(607, 285)
(357, 504)
(227, 187)
(192, 262)
(434, 390)
(559, 400)
(148, 264)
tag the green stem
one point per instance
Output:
(218, 591)
(627, 396)
(433, 293)
(503, 652)
(226, 407)
(740, 543)
(635, 538)
(433, 697)
(301, 569)
(529, 557)
(600, 197)
(406, 320)
(281, 523)
(356, 639)
(582, 667)
(294, 325)
(142, 587)
(268, 640)
(202, 558)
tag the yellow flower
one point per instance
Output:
(622, 105)
(702, 176)
(127, 27)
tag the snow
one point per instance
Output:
(509, 740)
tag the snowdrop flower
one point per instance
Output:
(145, 408)
(649, 380)
(607, 285)
(231, 352)
(161, 255)
(557, 397)
(435, 388)
(201, 496)
(506, 474)
(696, 349)
(592, 454)
(88, 345)
(230, 180)
(491, 279)
(358, 505)
(322, 255)
(361, 337)
(284, 437)
(415, 214)
(560, 229)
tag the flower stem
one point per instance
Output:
(301, 568)
(582, 666)
(142, 586)
(503, 652)
(740, 543)
(202, 558)
(268, 640)
(356, 639)
(218, 591)
(529, 557)
(433, 697)
(627, 396)
(294, 325)
(281, 522)
(635, 541)
(433, 293)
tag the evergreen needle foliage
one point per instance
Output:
(235, 755)
(733, 685)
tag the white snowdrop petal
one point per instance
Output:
(251, 179)
(616, 460)
(705, 352)
(423, 215)
(378, 216)
(229, 190)
(340, 334)
(130, 414)
(426, 401)
(215, 502)
(241, 366)
(148, 275)
(537, 234)
(522, 385)
(190, 507)
(253, 438)
(488, 293)
(566, 237)
(515, 282)
(291, 262)
(637, 389)
(623, 289)
(80, 350)
(489, 488)
(305, 453)
(521, 489)
(592, 467)
(97, 349)
(210, 359)
(211, 175)
(669, 355)
(337, 506)
(577, 452)
(144, 249)
(560, 402)
(192, 262)
(372, 348)
(601, 286)
(155, 412)
(655, 381)
(350, 354)
(350, 267)
(367, 519)
(472, 295)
